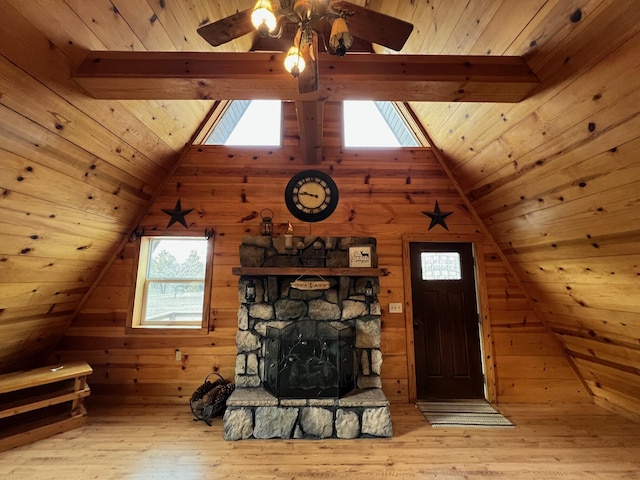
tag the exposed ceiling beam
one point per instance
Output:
(310, 126)
(230, 76)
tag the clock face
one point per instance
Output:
(311, 195)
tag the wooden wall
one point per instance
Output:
(382, 194)
(75, 173)
(556, 178)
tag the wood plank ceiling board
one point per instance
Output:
(21, 134)
(462, 119)
(598, 272)
(39, 177)
(511, 115)
(610, 112)
(19, 268)
(563, 189)
(463, 130)
(59, 30)
(105, 115)
(107, 24)
(28, 209)
(142, 20)
(61, 118)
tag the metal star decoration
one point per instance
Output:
(437, 217)
(177, 214)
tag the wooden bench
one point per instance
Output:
(36, 404)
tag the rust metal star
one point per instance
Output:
(177, 214)
(437, 217)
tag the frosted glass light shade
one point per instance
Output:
(294, 62)
(263, 17)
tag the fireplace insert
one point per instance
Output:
(310, 359)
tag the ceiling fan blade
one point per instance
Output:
(376, 27)
(228, 28)
(308, 79)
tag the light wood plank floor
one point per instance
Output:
(581, 442)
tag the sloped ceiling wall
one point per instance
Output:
(76, 174)
(555, 178)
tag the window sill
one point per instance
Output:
(164, 331)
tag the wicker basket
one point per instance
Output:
(210, 399)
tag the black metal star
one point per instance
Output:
(437, 217)
(177, 214)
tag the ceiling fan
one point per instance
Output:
(340, 19)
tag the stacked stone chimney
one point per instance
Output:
(269, 302)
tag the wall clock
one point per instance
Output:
(311, 196)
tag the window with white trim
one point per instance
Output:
(172, 283)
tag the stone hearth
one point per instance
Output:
(338, 348)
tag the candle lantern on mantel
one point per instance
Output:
(266, 224)
(288, 237)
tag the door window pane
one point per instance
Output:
(440, 266)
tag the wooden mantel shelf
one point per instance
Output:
(325, 272)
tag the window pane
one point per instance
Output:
(169, 259)
(441, 266)
(174, 302)
(259, 125)
(364, 126)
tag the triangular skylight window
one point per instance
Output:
(375, 124)
(249, 122)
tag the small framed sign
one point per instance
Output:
(360, 256)
(310, 284)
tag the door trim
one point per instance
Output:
(486, 343)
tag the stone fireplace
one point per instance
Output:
(308, 343)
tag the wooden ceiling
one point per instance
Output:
(555, 178)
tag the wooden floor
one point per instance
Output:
(162, 442)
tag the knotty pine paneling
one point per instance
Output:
(553, 177)
(556, 177)
(530, 363)
(382, 194)
(76, 173)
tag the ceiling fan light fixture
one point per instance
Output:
(340, 40)
(263, 18)
(294, 61)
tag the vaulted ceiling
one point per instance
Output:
(555, 178)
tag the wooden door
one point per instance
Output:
(445, 321)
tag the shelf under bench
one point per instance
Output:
(38, 403)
